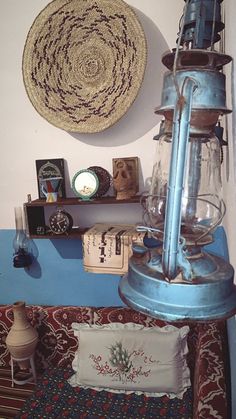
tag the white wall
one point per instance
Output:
(26, 136)
(230, 154)
(230, 176)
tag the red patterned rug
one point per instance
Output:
(12, 399)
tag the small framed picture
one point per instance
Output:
(49, 168)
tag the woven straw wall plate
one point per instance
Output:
(84, 62)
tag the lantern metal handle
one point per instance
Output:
(181, 128)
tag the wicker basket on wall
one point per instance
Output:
(84, 62)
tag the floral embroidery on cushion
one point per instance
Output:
(121, 364)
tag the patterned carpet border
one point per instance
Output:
(54, 398)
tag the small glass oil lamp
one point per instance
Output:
(21, 258)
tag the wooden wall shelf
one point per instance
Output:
(77, 201)
(35, 217)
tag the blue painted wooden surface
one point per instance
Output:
(58, 277)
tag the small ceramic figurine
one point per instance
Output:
(123, 181)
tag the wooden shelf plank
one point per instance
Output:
(74, 234)
(76, 201)
(35, 216)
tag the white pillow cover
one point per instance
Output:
(132, 358)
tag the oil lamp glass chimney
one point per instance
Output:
(202, 207)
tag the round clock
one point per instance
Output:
(85, 183)
(60, 222)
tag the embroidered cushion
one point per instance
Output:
(132, 358)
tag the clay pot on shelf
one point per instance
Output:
(22, 338)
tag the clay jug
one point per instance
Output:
(22, 339)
